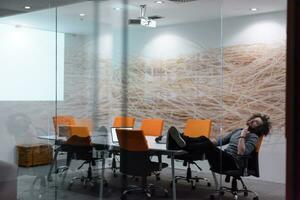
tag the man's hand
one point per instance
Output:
(214, 141)
(245, 132)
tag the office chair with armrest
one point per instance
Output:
(251, 168)
(153, 127)
(120, 122)
(135, 161)
(194, 128)
(79, 147)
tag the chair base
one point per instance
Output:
(235, 193)
(149, 190)
(87, 182)
(192, 180)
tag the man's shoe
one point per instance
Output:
(174, 139)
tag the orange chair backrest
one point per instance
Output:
(120, 122)
(152, 127)
(132, 140)
(80, 131)
(197, 127)
(63, 120)
(85, 122)
(258, 145)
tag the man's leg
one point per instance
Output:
(220, 160)
(175, 138)
(200, 144)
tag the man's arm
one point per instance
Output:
(241, 143)
(222, 140)
(246, 147)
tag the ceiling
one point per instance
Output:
(42, 13)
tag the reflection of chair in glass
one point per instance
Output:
(153, 127)
(120, 122)
(251, 168)
(194, 128)
(135, 161)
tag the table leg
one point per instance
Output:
(173, 176)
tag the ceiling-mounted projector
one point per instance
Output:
(148, 22)
(143, 20)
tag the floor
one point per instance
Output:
(30, 187)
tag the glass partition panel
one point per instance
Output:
(28, 97)
(254, 43)
(175, 74)
(74, 69)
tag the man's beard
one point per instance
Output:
(254, 130)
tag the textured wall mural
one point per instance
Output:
(193, 87)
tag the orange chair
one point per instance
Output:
(197, 128)
(85, 122)
(135, 161)
(122, 122)
(194, 128)
(152, 127)
(63, 120)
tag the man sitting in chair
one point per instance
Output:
(240, 142)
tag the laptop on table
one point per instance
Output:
(114, 137)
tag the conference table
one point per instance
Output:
(103, 142)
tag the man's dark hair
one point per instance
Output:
(265, 128)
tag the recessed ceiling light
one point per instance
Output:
(159, 2)
(81, 14)
(27, 7)
(117, 8)
(254, 9)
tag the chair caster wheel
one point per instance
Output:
(208, 184)
(255, 198)
(245, 194)
(115, 175)
(193, 185)
(148, 195)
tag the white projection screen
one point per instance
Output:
(28, 64)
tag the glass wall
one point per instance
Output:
(76, 68)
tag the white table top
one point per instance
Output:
(106, 140)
